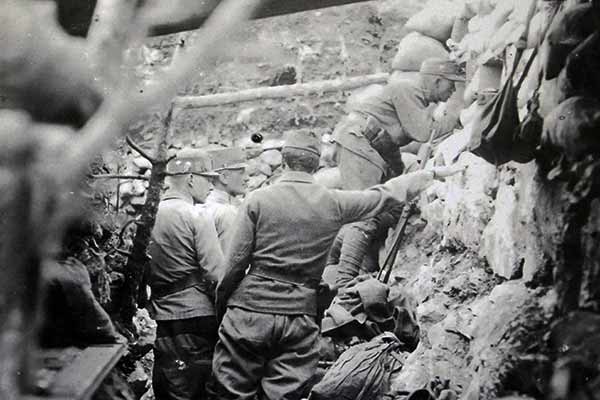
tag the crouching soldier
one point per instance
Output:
(186, 258)
(267, 343)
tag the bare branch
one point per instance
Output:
(138, 149)
(124, 105)
(116, 176)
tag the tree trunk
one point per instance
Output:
(137, 262)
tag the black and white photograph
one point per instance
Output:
(300, 199)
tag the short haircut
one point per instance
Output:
(300, 160)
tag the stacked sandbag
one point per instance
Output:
(435, 20)
(416, 48)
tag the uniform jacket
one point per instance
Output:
(222, 209)
(400, 107)
(286, 230)
(183, 240)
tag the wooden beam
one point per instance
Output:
(79, 379)
(276, 92)
(198, 11)
(182, 15)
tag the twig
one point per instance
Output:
(125, 104)
(465, 336)
(117, 176)
(138, 149)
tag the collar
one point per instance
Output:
(221, 197)
(172, 194)
(297, 176)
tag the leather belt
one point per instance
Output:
(195, 279)
(284, 276)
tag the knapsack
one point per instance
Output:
(362, 372)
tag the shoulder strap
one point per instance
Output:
(535, 52)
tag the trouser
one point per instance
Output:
(270, 356)
(358, 172)
(182, 358)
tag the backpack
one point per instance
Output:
(362, 372)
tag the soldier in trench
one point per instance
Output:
(371, 140)
(231, 181)
(267, 343)
(186, 260)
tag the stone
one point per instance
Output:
(265, 169)
(500, 241)
(450, 148)
(492, 315)
(138, 380)
(433, 310)
(142, 164)
(469, 203)
(272, 158)
(256, 181)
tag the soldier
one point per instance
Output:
(186, 258)
(231, 180)
(370, 137)
(370, 141)
(268, 336)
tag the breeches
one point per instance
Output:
(272, 356)
(182, 358)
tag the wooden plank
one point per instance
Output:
(283, 91)
(182, 15)
(80, 378)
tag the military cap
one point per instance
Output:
(192, 161)
(303, 140)
(445, 68)
(227, 158)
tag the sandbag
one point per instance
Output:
(362, 372)
(435, 20)
(573, 128)
(415, 48)
(568, 29)
(580, 76)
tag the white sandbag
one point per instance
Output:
(415, 48)
(480, 7)
(503, 36)
(468, 114)
(435, 20)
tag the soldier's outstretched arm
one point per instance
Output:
(358, 205)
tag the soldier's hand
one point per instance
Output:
(446, 171)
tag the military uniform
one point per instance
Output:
(268, 337)
(386, 118)
(222, 209)
(186, 258)
(220, 205)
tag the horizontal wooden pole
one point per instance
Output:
(277, 92)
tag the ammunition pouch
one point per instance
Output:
(381, 140)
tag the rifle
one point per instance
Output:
(390, 258)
